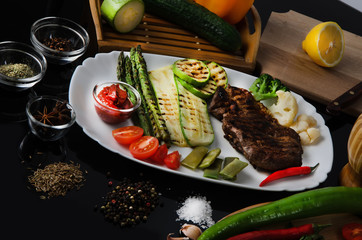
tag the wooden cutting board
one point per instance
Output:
(281, 55)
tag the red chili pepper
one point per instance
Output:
(288, 172)
(280, 234)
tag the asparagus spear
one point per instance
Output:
(120, 67)
(149, 95)
(147, 110)
(125, 73)
(142, 114)
(128, 78)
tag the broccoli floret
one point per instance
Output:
(266, 86)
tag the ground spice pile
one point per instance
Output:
(57, 179)
(197, 210)
(130, 203)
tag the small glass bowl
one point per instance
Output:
(49, 129)
(12, 53)
(115, 115)
(62, 33)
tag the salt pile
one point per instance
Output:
(197, 210)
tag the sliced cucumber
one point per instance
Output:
(194, 118)
(204, 92)
(164, 86)
(218, 74)
(192, 71)
(123, 15)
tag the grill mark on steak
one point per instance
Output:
(251, 130)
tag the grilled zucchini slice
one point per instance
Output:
(194, 118)
(164, 86)
(193, 71)
(204, 92)
(217, 73)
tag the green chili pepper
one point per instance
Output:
(301, 205)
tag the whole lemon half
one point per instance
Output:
(324, 44)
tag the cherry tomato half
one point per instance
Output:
(160, 154)
(127, 135)
(144, 147)
(352, 231)
(172, 160)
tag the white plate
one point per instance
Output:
(102, 68)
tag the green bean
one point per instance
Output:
(195, 157)
(230, 170)
(213, 170)
(210, 158)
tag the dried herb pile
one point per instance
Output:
(129, 203)
(57, 179)
(17, 70)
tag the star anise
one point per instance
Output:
(59, 115)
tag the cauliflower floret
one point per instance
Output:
(285, 109)
(305, 126)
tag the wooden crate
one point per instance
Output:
(158, 36)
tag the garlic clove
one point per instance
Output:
(191, 231)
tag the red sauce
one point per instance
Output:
(113, 97)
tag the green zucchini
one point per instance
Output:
(204, 92)
(218, 74)
(123, 15)
(198, 20)
(329, 200)
(194, 118)
(192, 71)
(164, 86)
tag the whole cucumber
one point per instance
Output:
(301, 205)
(198, 20)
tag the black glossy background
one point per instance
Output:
(25, 215)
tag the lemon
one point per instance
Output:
(324, 44)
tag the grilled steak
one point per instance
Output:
(251, 130)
